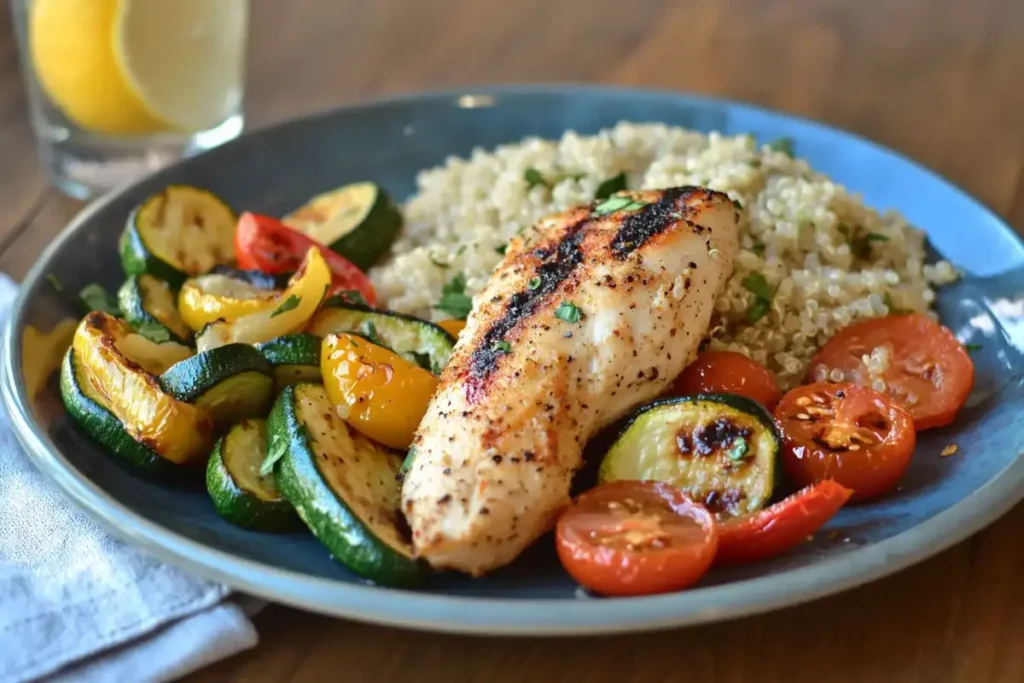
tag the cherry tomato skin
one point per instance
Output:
(856, 436)
(781, 526)
(268, 245)
(636, 538)
(728, 372)
(929, 372)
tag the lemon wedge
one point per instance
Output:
(183, 59)
(131, 67)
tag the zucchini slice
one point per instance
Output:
(91, 411)
(358, 221)
(147, 304)
(344, 486)
(418, 341)
(208, 298)
(178, 232)
(240, 494)
(173, 429)
(721, 449)
(285, 313)
(295, 357)
(229, 383)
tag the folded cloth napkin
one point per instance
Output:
(77, 604)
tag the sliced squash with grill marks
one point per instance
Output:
(110, 353)
(178, 232)
(229, 383)
(147, 304)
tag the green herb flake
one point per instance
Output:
(153, 331)
(738, 204)
(757, 247)
(534, 283)
(440, 264)
(99, 299)
(410, 458)
(860, 245)
(784, 145)
(971, 347)
(757, 284)
(454, 300)
(370, 330)
(617, 203)
(289, 304)
(568, 312)
(534, 178)
(608, 187)
(277, 450)
(54, 282)
(502, 346)
(738, 450)
(502, 249)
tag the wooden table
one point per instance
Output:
(940, 80)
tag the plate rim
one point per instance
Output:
(501, 616)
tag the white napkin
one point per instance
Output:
(77, 604)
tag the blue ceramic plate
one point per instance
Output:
(941, 501)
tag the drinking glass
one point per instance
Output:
(119, 88)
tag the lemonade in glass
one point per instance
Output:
(119, 88)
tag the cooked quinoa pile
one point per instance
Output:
(814, 258)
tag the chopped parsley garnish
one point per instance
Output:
(99, 299)
(440, 264)
(370, 330)
(756, 284)
(54, 282)
(154, 332)
(410, 457)
(969, 347)
(617, 203)
(503, 346)
(534, 283)
(454, 300)
(289, 304)
(738, 204)
(502, 249)
(568, 312)
(609, 187)
(534, 178)
(738, 449)
(783, 144)
(275, 452)
(757, 247)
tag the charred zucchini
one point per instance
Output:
(178, 232)
(147, 304)
(721, 449)
(229, 383)
(295, 357)
(344, 486)
(240, 493)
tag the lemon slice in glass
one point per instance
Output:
(183, 59)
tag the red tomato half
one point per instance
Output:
(929, 372)
(727, 372)
(780, 527)
(266, 244)
(636, 538)
(860, 438)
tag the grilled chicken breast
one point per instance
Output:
(594, 311)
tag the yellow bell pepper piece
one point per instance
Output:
(376, 391)
(175, 430)
(207, 298)
(452, 326)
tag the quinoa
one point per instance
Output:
(828, 259)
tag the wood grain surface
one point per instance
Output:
(939, 80)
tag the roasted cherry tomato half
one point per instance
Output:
(781, 526)
(636, 538)
(913, 359)
(856, 436)
(728, 372)
(268, 245)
